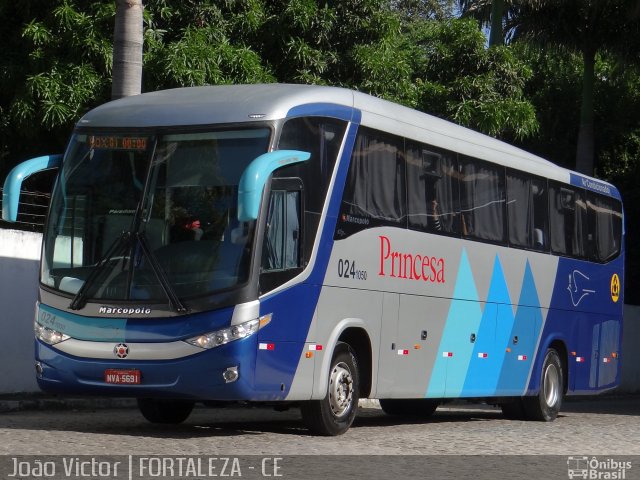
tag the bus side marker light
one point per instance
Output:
(417, 347)
(606, 360)
(315, 347)
(508, 350)
(265, 320)
(483, 355)
(574, 353)
(267, 346)
(614, 354)
(308, 354)
(522, 357)
(447, 354)
(403, 352)
(580, 359)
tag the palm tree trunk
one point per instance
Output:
(127, 49)
(497, 12)
(585, 151)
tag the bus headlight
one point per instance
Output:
(48, 335)
(226, 335)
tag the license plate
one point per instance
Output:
(122, 377)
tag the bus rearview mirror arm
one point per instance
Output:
(13, 182)
(255, 177)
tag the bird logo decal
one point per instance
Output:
(576, 290)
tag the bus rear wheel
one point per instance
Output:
(168, 412)
(546, 405)
(410, 407)
(334, 414)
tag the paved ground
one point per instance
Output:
(606, 426)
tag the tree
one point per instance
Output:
(127, 49)
(587, 27)
(490, 13)
(55, 64)
(459, 79)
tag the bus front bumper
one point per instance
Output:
(202, 376)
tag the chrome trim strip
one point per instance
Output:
(137, 351)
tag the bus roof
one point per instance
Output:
(225, 104)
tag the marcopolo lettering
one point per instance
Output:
(410, 266)
(124, 310)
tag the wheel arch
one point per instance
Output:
(559, 346)
(358, 339)
(352, 331)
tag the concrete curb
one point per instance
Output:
(40, 401)
(17, 402)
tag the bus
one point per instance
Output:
(310, 246)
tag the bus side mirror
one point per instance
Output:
(255, 176)
(13, 182)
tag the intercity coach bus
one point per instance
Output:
(310, 246)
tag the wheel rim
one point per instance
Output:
(340, 390)
(551, 385)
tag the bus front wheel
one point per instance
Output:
(545, 406)
(334, 414)
(165, 411)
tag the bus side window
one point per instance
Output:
(605, 226)
(432, 189)
(282, 241)
(568, 219)
(527, 205)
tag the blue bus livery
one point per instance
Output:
(314, 246)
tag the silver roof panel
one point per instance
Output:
(209, 105)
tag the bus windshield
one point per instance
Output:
(125, 202)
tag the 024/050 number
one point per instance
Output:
(347, 269)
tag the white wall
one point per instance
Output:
(19, 263)
(19, 259)
(630, 381)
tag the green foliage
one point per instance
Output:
(405, 51)
(459, 79)
(554, 89)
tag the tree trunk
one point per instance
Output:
(585, 151)
(127, 49)
(497, 12)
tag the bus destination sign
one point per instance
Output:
(110, 142)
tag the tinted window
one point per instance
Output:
(375, 189)
(432, 189)
(605, 226)
(568, 220)
(322, 137)
(527, 204)
(482, 200)
(281, 248)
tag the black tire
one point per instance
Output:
(168, 412)
(410, 407)
(545, 406)
(513, 410)
(334, 414)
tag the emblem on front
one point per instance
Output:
(121, 350)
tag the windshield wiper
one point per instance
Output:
(175, 301)
(80, 299)
(124, 240)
